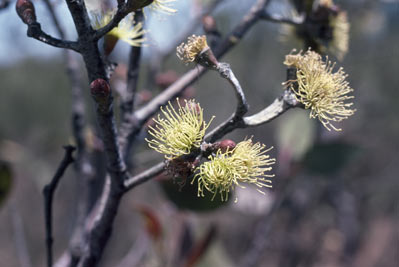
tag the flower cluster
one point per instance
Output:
(178, 132)
(320, 89)
(246, 163)
(190, 51)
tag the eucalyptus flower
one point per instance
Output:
(194, 47)
(218, 175)
(247, 163)
(320, 89)
(177, 133)
(253, 163)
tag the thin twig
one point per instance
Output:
(127, 105)
(35, 31)
(48, 192)
(144, 176)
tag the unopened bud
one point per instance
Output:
(26, 11)
(100, 88)
(225, 145)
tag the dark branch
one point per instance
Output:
(48, 192)
(144, 176)
(128, 99)
(35, 31)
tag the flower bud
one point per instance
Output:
(26, 11)
(197, 50)
(100, 88)
(226, 145)
(101, 92)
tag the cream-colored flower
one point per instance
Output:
(246, 163)
(253, 162)
(320, 89)
(218, 175)
(126, 31)
(178, 132)
(189, 52)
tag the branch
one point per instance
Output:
(80, 18)
(242, 28)
(48, 192)
(99, 223)
(101, 93)
(227, 73)
(35, 31)
(83, 167)
(128, 99)
(278, 107)
(87, 44)
(144, 176)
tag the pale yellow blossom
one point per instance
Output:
(189, 52)
(177, 133)
(247, 163)
(320, 89)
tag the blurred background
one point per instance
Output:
(335, 196)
